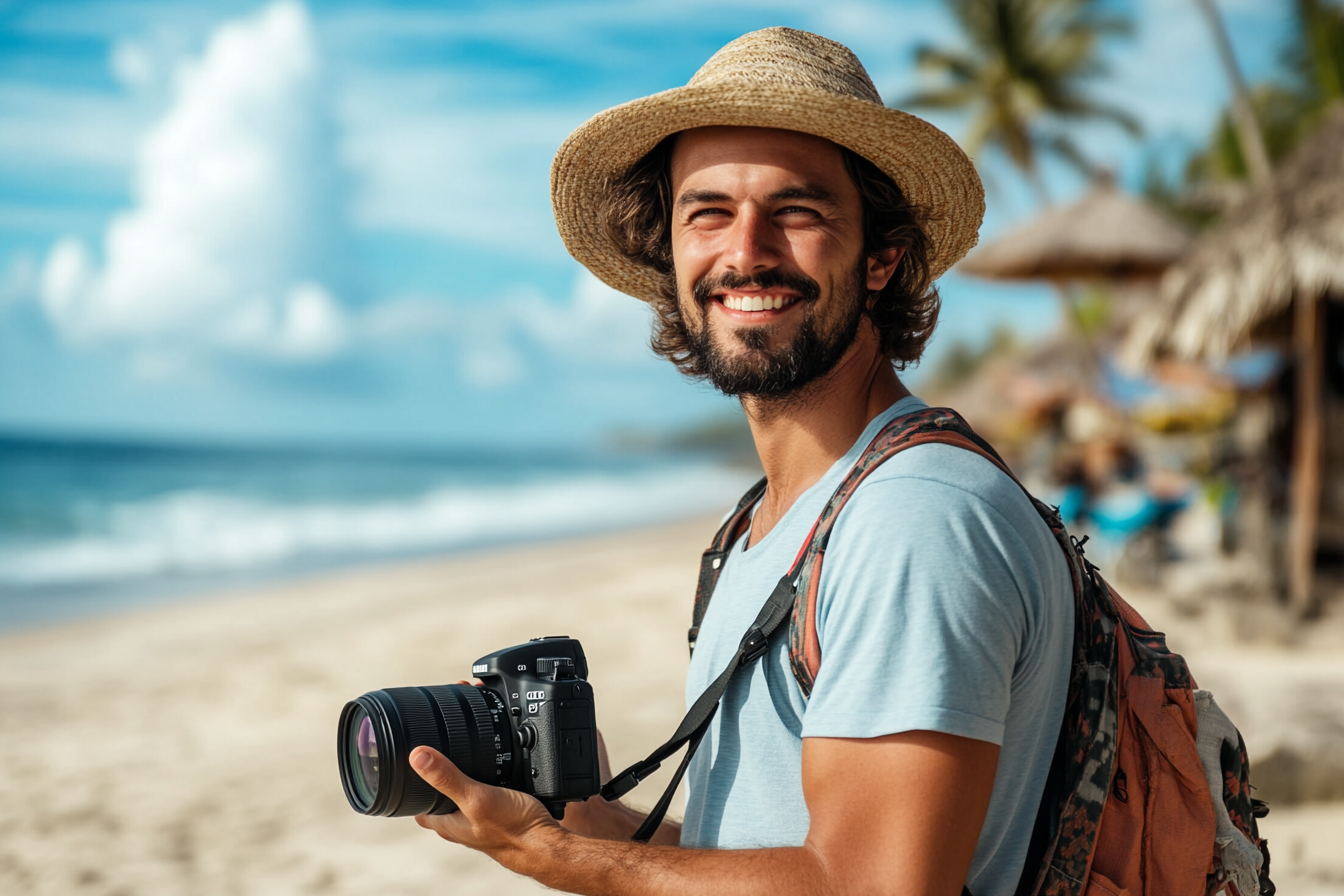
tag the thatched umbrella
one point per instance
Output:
(1107, 234)
(1280, 251)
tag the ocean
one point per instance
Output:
(89, 527)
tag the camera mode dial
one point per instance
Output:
(557, 667)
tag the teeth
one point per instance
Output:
(755, 303)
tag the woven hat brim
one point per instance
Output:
(927, 164)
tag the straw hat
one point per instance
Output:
(775, 78)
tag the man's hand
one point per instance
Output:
(506, 825)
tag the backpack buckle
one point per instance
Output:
(753, 645)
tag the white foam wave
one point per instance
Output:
(200, 532)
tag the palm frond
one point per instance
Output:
(1066, 149)
(951, 63)
(1025, 65)
(949, 98)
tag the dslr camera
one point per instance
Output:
(529, 727)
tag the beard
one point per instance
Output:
(782, 371)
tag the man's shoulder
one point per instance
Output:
(944, 508)
(959, 479)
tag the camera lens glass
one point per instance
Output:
(378, 731)
(363, 751)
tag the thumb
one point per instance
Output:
(441, 774)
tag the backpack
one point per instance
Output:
(1149, 787)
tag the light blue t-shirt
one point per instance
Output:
(945, 604)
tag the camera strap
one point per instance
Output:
(693, 727)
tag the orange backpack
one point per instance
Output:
(1130, 807)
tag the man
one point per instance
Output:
(787, 228)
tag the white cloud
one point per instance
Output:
(500, 341)
(132, 65)
(493, 366)
(598, 325)
(237, 230)
(397, 318)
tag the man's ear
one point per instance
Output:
(882, 266)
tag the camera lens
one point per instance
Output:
(378, 731)
(363, 751)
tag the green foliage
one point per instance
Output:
(1288, 108)
(1285, 116)
(1092, 308)
(1024, 74)
(1315, 61)
(1172, 196)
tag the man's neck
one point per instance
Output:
(798, 438)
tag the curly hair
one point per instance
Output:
(637, 211)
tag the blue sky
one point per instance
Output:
(330, 221)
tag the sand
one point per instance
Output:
(189, 749)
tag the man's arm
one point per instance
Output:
(894, 814)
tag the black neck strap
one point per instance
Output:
(693, 726)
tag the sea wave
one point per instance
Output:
(196, 532)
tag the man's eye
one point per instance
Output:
(704, 212)
(796, 210)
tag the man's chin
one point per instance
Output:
(753, 343)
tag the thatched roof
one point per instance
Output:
(1286, 236)
(1106, 234)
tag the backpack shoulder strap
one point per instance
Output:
(711, 562)
(941, 425)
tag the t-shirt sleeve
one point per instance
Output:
(922, 613)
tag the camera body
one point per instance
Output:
(530, 726)
(554, 724)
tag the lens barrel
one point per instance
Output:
(377, 732)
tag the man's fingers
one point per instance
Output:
(441, 774)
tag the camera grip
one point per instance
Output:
(564, 760)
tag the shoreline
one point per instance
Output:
(114, 599)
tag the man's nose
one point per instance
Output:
(751, 242)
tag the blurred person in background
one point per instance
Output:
(787, 228)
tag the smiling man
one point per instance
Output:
(787, 228)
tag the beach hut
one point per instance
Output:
(1108, 234)
(1271, 274)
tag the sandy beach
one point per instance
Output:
(189, 749)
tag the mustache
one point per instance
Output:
(807, 289)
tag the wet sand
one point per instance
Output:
(189, 749)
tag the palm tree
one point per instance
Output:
(1023, 74)
(1250, 138)
(1286, 109)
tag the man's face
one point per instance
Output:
(767, 242)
